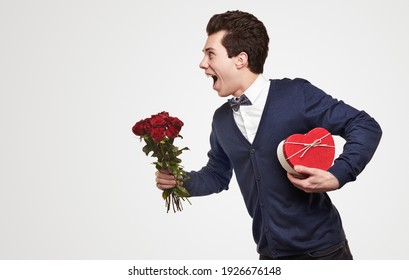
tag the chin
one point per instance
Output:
(218, 92)
(221, 94)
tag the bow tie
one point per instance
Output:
(235, 102)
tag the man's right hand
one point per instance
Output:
(164, 180)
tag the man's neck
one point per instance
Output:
(246, 81)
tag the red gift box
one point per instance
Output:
(314, 149)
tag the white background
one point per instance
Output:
(76, 75)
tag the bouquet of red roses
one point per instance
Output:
(159, 131)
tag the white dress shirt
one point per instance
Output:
(248, 117)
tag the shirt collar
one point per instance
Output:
(256, 88)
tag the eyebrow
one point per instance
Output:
(209, 49)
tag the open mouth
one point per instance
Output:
(213, 77)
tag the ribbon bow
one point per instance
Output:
(235, 102)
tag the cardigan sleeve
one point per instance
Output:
(361, 132)
(215, 176)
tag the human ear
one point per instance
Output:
(242, 60)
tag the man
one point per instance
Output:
(293, 217)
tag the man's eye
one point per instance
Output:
(211, 55)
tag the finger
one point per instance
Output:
(165, 183)
(164, 186)
(299, 182)
(294, 179)
(164, 176)
(307, 171)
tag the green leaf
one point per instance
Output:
(165, 194)
(146, 149)
(158, 165)
(181, 191)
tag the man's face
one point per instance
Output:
(219, 66)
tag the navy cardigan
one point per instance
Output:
(286, 220)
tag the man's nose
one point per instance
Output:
(203, 64)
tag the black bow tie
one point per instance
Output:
(235, 102)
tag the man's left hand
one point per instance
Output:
(314, 181)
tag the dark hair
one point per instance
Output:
(245, 33)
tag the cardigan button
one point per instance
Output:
(253, 151)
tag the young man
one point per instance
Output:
(293, 218)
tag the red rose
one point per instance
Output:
(139, 128)
(157, 121)
(164, 115)
(157, 133)
(142, 127)
(175, 122)
(172, 132)
(147, 126)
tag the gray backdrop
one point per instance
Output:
(76, 75)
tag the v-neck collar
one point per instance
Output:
(244, 139)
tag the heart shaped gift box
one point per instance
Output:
(314, 149)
